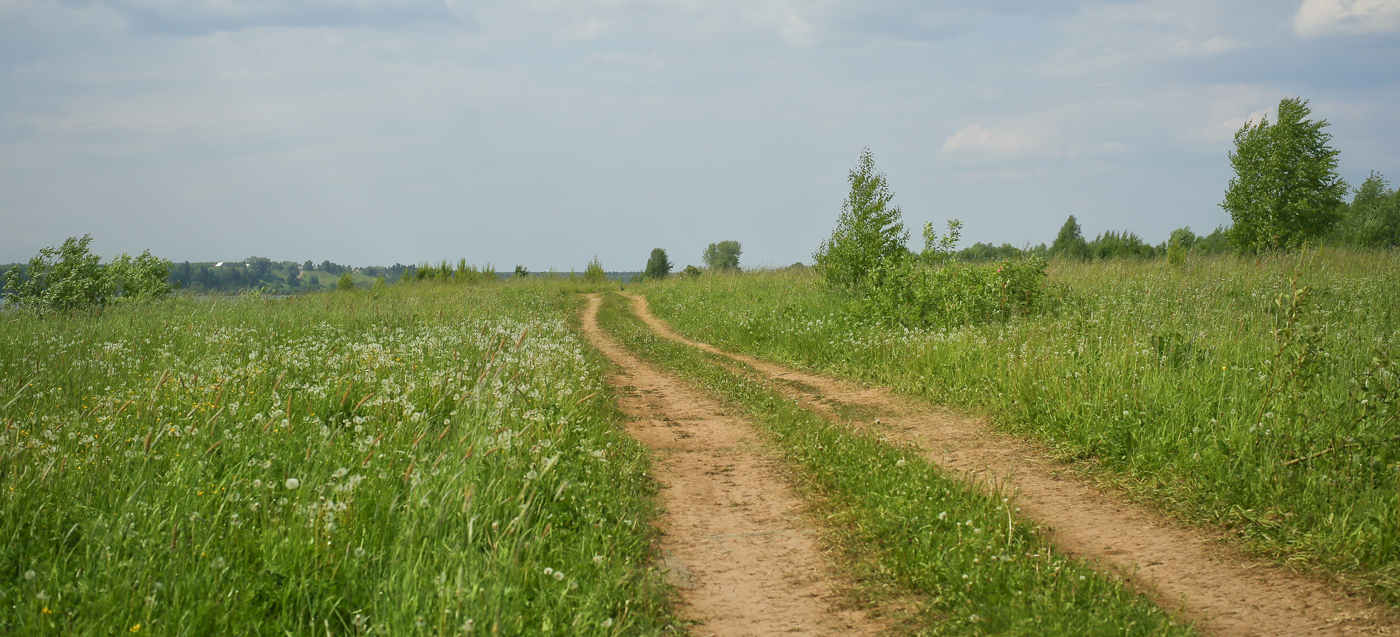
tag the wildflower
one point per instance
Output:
(29, 575)
(135, 628)
(292, 484)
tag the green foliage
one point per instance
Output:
(658, 265)
(722, 256)
(692, 271)
(144, 277)
(346, 282)
(940, 249)
(1178, 244)
(1286, 189)
(1069, 243)
(65, 278)
(954, 293)
(1372, 219)
(868, 233)
(594, 272)
(521, 272)
(1116, 245)
(70, 277)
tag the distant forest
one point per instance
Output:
(283, 277)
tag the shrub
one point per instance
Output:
(594, 272)
(954, 293)
(70, 277)
(346, 282)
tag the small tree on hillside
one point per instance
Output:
(723, 255)
(658, 266)
(868, 232)
(346, 282)
(1286, 188)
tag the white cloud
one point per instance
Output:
(994, 140)
(1200, 48)
(1335, 17)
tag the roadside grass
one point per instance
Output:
(1257, 395)
(423, 459)
(954, 548)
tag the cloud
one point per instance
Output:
(994, 140)
(1318, 18)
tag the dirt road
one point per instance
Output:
(1186, 570)
(736, 541)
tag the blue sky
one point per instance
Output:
(545, 132)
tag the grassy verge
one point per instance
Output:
(961, 552)
(428, 459)
(1258, 395)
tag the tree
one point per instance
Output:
(723, 255)
(1286, 189)
(1373, 218)
(346, 282)
(594, 272)
(521, 271)
(658, 266)
(144, 277)
(63, 278)
(1070, 241)
(868, 232)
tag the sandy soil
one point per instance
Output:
(735, 541)
(1188, 571)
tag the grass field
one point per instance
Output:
(1257, 395)
(421, 459)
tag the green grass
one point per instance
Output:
(1219, 391)
(423, 459)
(956, 551)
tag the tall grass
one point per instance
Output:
(1258, 395)
(427, 459)
(959, 551)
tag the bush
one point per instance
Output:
(594, 272)
(346, 282)
(953, 294)
(70, 277)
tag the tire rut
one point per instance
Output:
(735, 541)
(1189, 572)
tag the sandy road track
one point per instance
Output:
(736, 542)
(1184, 569)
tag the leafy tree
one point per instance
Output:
(521, 271)
(260, 267)
(1286, 188)
(308, 266)
(868, 232)
(144, 277)
(692, 271)
(1070, 241)
(594, 272)
(1178, 244)
(70, 277)
(346, 282)
(658, 265)
(1373, 218)
(63, 278)
(723, 255)
(313, 280)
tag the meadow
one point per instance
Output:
(418, 459)
(1257, 396)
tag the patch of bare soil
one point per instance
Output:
(735, 541)
(1188, 571)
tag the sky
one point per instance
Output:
(546, 132)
